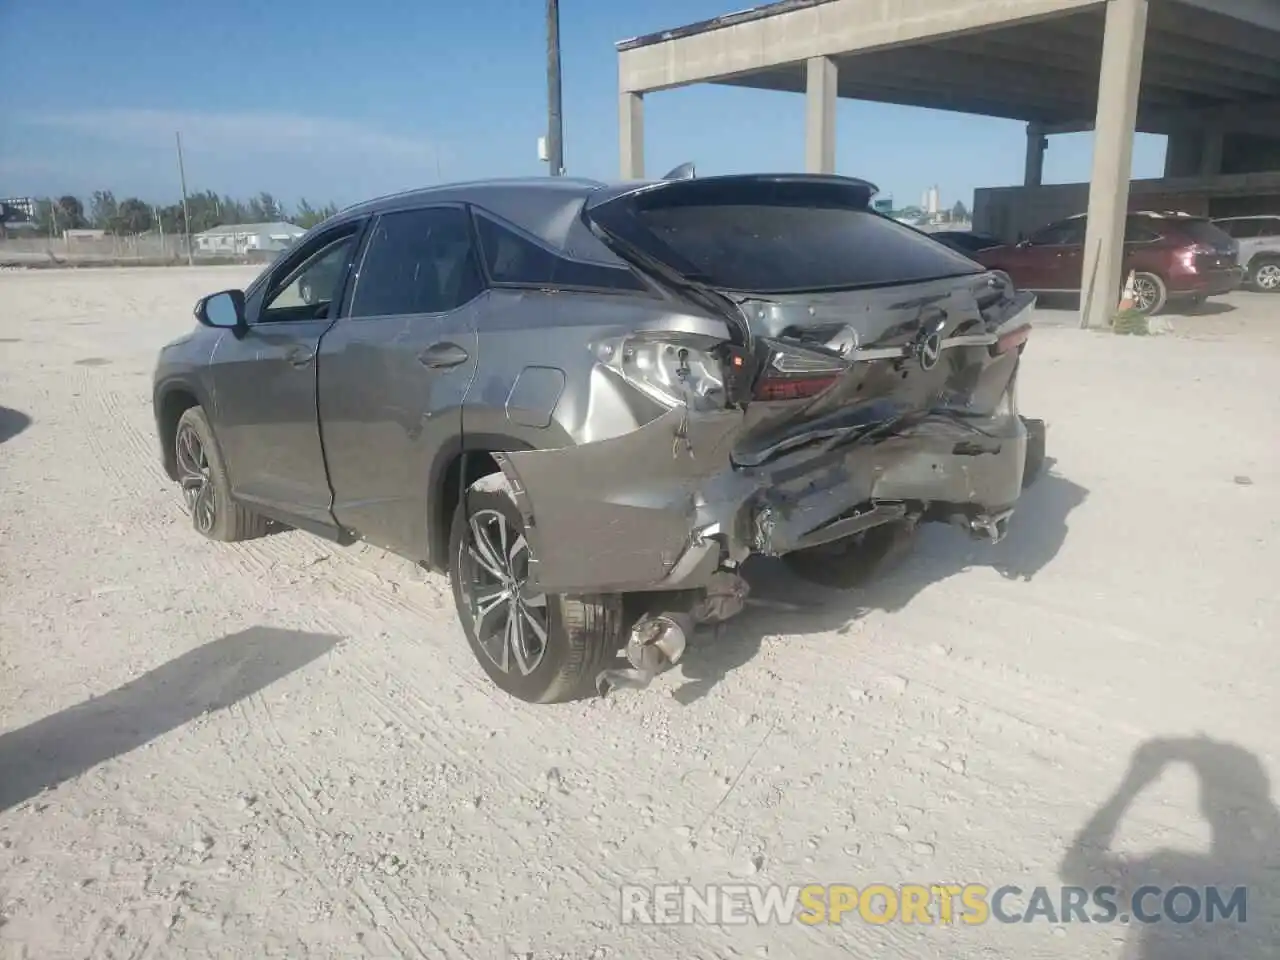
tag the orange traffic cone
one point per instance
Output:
(1126, 298)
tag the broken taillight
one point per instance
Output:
(1012, 340)
(671, 368)
(797, 376)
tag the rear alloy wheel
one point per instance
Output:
(205, 487)
(1149, 293)
(540, 648)
(857, 560)
(1265, 276)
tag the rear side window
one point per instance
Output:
(1136, 231)
(1240, 229)
(511, 258)
(1202, 231)
(417, 261)
(776, 248)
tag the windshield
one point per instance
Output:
(763, 247)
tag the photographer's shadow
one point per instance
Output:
(782, 604)
(1235, 798)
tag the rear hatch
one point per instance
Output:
(846, 322)
(1214, 249)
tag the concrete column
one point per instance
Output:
(1183, 153)
(631, 135)
(1036, 146)
(1118, 84)
(1211, 152)
(820, 116)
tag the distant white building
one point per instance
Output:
(236, 238)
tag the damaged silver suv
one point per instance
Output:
(590, 403)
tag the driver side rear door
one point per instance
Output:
(264, 383)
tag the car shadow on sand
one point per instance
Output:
(783, 604)
(12, 423)
(212, 677)
(1240, 868)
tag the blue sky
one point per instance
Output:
(342, 101)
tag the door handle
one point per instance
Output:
(299, 356)
(442, 355)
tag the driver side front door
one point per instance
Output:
(264, 384)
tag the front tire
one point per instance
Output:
(857, 560)
(537, 648)
(205, 485)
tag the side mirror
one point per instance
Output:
(1024, 243)
(224, 310)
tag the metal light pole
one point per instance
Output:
(186, 214)
(555, 123)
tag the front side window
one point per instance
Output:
(1060, 234)
(309, 291)
(417, 261)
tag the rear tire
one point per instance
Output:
(1150, 294)
(857, 560)
(562, 642)
(205, 485)
(1264, 275)
(1035, 451)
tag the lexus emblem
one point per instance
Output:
(929, 350)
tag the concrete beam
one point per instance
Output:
(1258, 117)
(1169, 71)
(1256, 14)
(821, 30)
(1119, 82)
(921, 92)
(820, 116)
(968, 75)
(631, 135)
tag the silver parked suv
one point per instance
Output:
(590, 403)
(1259, 239)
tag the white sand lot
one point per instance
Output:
(284, 748)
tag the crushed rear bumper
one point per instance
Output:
(647, 511)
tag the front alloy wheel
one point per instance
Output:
(200, 473)
(193, 476)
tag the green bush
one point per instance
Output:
(1130, 322)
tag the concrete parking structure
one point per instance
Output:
(1204, 72)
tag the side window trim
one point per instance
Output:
(357, 264)
(370, 230)
(479, 213)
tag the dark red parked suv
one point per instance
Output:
(1174, 256)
